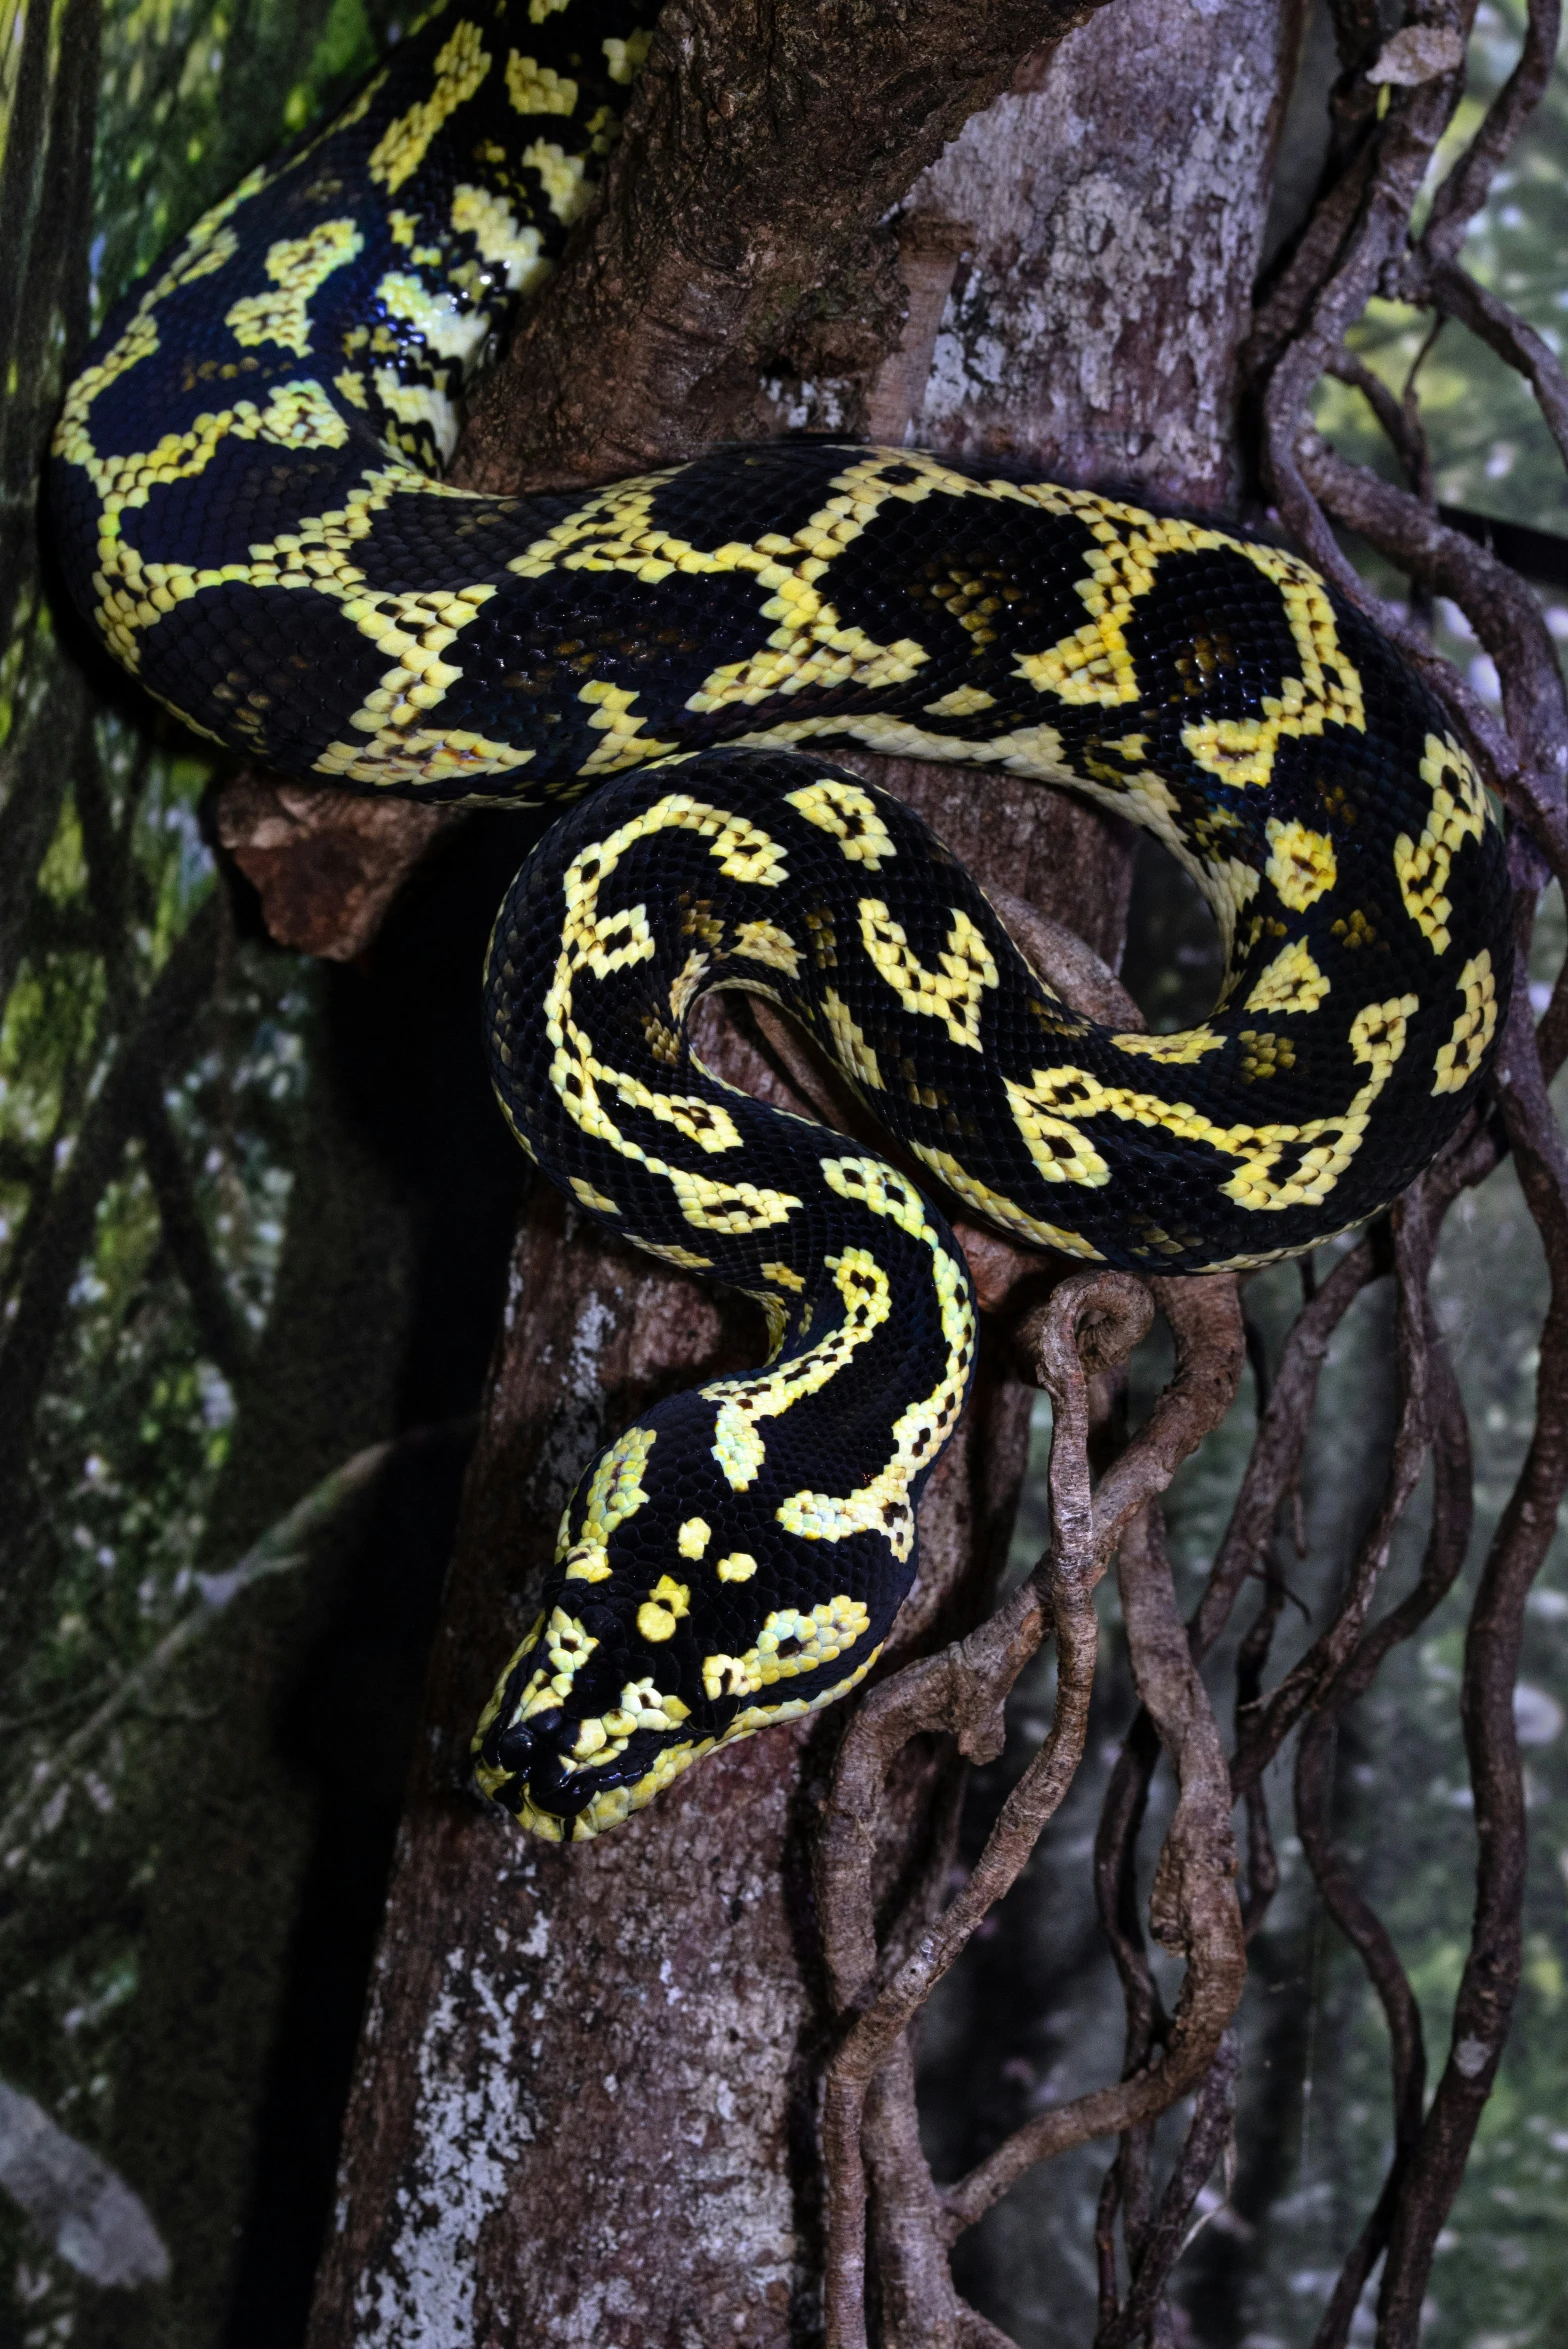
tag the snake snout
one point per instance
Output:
(516, 1747)
(528, 1753)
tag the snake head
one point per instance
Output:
(569, 1769)
(575, 1735)
(603, 1703)
(662, 1636)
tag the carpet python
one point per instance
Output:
(249, 507)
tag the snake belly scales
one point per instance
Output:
(247, 498)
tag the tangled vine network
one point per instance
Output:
(1359, 242)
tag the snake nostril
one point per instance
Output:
(515, 1748)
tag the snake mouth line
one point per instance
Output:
(513, 1772)
(523, 1769)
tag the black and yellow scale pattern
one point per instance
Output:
(248, 503)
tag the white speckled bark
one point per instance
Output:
(1119, 214)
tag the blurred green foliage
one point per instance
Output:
(1491, 448)
(142, 1226)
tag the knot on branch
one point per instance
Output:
(1197, 1857)
(1089, 1325)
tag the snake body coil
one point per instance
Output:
(247, 503)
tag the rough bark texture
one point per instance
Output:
(584, 2109)
(767, 141)
(586, 2091)
(1117, 225)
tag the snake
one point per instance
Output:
(248, 503)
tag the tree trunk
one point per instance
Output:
(584, 2109)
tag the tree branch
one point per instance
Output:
(281, 1549)
(65, 1231)
(689, 276)
(223, 1335)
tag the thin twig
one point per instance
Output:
(1483, 2007)
(1167, 2234)
(1450, 290)
(1466, 187)
(1400, 419)
(1192, 1907)
(1415, 1241)
(1275, 1459)
(1452, 1518)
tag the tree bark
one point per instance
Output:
(584, 2106)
